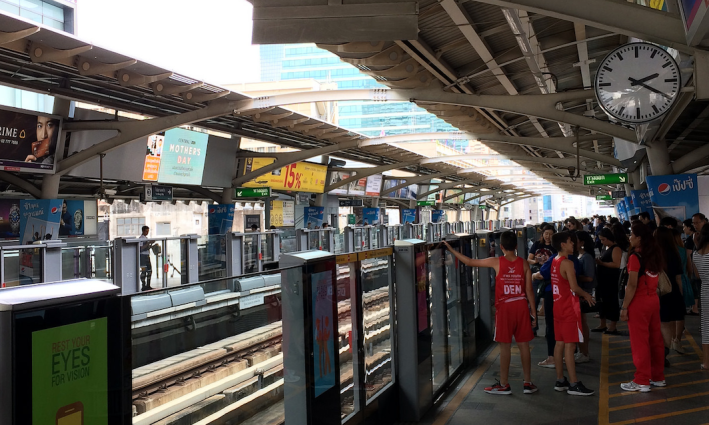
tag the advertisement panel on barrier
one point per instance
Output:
(9, 218)
(374, 185)
(674, 195)
(283, 213)
(39, 220)
(629, 206)
(28, 140)
(408, 216)
(421, 299)
(70, 374)
(323, 332)
(296, 177)
(370, 216)
(642, 202)
(438, 216)
(313, 217)
(620, 206)
(71, 221)
(220, 219)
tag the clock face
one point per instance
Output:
(637, 82)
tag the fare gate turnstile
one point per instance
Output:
(315, 239)
(362, 238)
(522, 250)
(414, 231)
(436, 232)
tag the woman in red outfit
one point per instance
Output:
(641, 309)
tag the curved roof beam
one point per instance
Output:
(562, 162)
(540, 106)
(21, 183)
(610, 15)
(408, 181)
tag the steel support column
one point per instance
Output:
(659, 158)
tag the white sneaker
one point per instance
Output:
(581, 358)
(632, 386)
(658, 383)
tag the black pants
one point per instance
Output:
(146, 270)
(549, 320)
(609, 307)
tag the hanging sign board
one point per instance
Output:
(296, 177)
(594, 179)
(28, 140)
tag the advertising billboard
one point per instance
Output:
(28, 140)
(220, 219)
(374, 185)
(358, 187)
(283, 213)
(323, 332)
(176, 157)
(296, 177)
(336, 177)
(39, 220)
(313, 217)
(674, 195)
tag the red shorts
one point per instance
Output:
(512, 319)
(568, 331)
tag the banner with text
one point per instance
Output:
(370, 216)
(313, 217)
(642, 202)
(220, 219)
(176, 157)
(408, 216)
(674, 195)
(296, 177)
(282, 213)
(438, 216)
(39, 220)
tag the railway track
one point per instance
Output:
(241, 375)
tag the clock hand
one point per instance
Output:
(642, 80)
(654, 90)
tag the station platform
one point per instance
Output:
(684, 401)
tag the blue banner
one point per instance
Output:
(547, 211)
(313, 217)
(408, 216)
(674, 195)
(438, 216)
(220, 219)
(622, 214)
(370, 216)
(629, 206)
(39, 220)
(71, 222)
(642, 202)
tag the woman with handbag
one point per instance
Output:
(641, 309)
(696, 283)
(701, 265)
(672, 303)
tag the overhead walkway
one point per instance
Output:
(683, 401)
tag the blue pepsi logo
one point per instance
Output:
(54, 210)
(664, 189)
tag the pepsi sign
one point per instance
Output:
(674, 195)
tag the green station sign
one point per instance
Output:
(604, 198)
(594, 179)
(252, 192)
(426, 203)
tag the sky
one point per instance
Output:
(208, 40)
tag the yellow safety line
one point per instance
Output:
(693, 343)
(603, 401)
(667, 375)
(683, 384)
(661, 416)
(665, 400)
(467, 387)
(633, 370)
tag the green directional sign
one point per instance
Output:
(604, 198)
(593, 179)
(252, 192)
(426, 203)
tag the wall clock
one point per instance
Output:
(637, 82)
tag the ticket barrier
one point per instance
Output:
(436, 232)
(469, 292)
(338, 361)
(486, 282)
(429, 324)
(30, 264)
(43, 324)
(414, 231)
(360, 238)
(495, 240)
(496, 225)
(315, 239)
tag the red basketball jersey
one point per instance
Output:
(510, 281)
(566, 303)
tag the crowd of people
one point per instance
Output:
(650, 275)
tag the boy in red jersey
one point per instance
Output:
(513, 296)
(567, 314)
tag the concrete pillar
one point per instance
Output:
(227, 195)
(659, 158)
(321, 198)
(267, 213)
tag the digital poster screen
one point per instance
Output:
(176, 157)
(28, 141)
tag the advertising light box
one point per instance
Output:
(28, 140)
(336, 177)
(374, 185)
(177, 157)
(358, 187)
(296, 177)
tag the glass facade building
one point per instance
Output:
(297, 61)
(59, 15)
